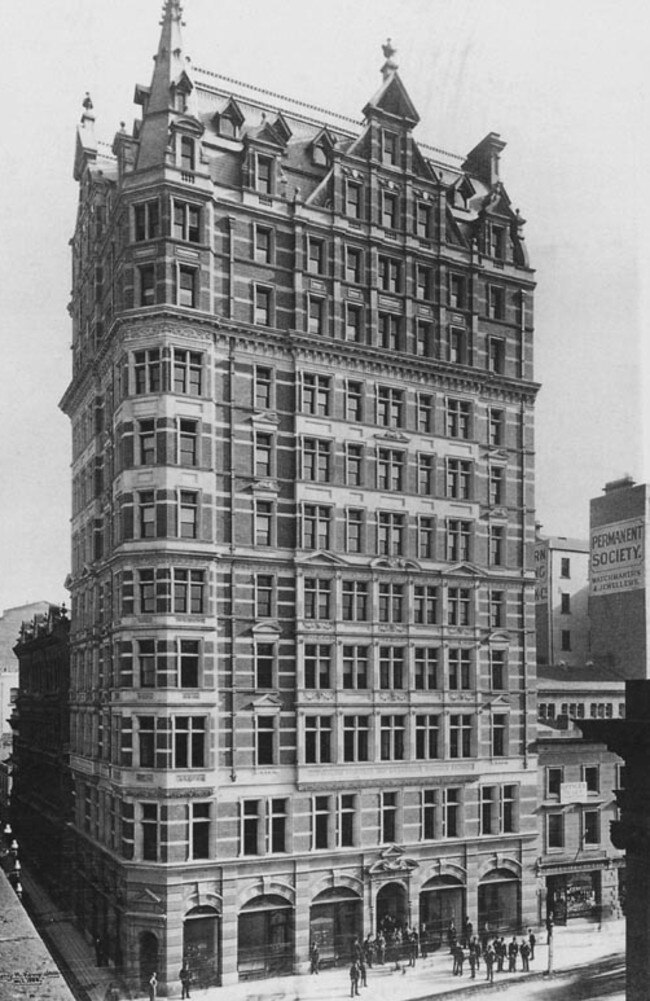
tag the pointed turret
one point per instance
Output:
(391, 100)
(172, 93)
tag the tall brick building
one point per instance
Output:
(303, 636)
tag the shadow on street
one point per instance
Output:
(598, 980)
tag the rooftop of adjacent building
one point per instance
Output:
(591, 674)
(562, 543)
(11, 621)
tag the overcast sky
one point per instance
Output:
(564, 82)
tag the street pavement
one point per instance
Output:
(585, 958)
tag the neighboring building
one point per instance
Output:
(303, 645)
(561, 615)
(618, 578)
(581, 873)
(41, 801)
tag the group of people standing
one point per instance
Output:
(493, 951)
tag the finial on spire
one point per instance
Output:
(390, 65)
(173, 8)
(88, 114)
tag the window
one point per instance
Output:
(391, 738)
(509, 823)
(263, 174)
(459, 535)
(390, 274)
(459, 669)
(277, 825)
(315, 256)
(497, 544)
(263, 245)
(353, 200)
(391, 668)
(428, 814)
(460, 736)
(199, 830)
(353, 263)
(391, 602)
(146, 443)
(459, 346)
(353, 465)
(354, 401)
(497, 247)
(426, 668)
(171, 589)
(496, 356)
(591, 777)
(425, 413)
(147, 285)
(264, 662)
(499, 734)
(425, 470)
(320, 818)
(316, 526)
(316, 460)
(554, 830)
(425, 604)
(186, 222)
(188, 733)
(264, 740)
(263, 388)
(496, 423)
(355, 738)
(496, 302)
(424, 341)
(318, 595)
(427, 728)
(591, 827)
(263, 456)
(187, 372)
(451, 804)
(146, 221)
(316, 394)
(458, 414)
(188, 509)
(345, 814)
(459, 479)
(498, 671)
(459, 606)
(353, 323)
(426, 538)
(457, 291)
(315, 315)
(489, 810)
(354, 530)
(565, 567)
(262, 309)
(390, 534)
(318, 740)
(497, 606)
(496, 485)
(390, 332)
(187, 153)
(318, 665)
(390, 406)
(565, 603)
(355, 601)
(187, 442)
(150, 831)
(423, 226)
(390, 149)
(147, 370)
(554, 779)
(390, 469)
(147, 514)
(264, 595)
(388, 817)
(263, 826)
(565, 640)
(187, 286)
(250, 827)
(389, 205)
(355, 667)
(263, 523)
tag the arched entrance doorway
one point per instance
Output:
(201, 945)
(335, 920)
(392, 907)
(499, 902)
(442, 900)
(265, 937)
(149, 958)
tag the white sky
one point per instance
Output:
(563, 81)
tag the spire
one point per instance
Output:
(390, 65)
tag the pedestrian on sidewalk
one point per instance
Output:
(153, 986)
(472, 963)
(354, 979)
(459, 959)
(549, 927)
(314, 956)
(475, 947)
(381, 949)
(468, 931)
(489, 964)
(451, 936)
(367, 949)
(524, 952)
(362, 973)
(185, 978)
(531, 942)
(513, 952)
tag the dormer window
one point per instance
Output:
(390, 149)
(498, 242)
(187, 154)
(227, 128)
(264, 174)
(319, 156)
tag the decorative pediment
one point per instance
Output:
(465, 570)
(265, 134)
(322, 558)
(393, 100)
(266, 701)
(498, 636)
(261, 417)
(188, 126)
(495, 702)
(268, 629)
(393, 860)
(322, 147)
(392, 436)
(233, 112)
(148, 896)
(265, 486)
(281, 129)
(394, 563)
(496, 202)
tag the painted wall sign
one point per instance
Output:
(617, 557)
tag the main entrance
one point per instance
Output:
(265, 937)
(392, 907)
(201, 946)
(335, 920)
(442, 900)
(499, 905)
(148, 954)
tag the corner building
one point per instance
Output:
(303, 635)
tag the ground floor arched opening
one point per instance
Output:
(499, 902)
(335, 920)
(442, 901)
(265, 937)
(201, 946)
(149, 958)
(392, 908)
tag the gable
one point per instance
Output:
(393, 100)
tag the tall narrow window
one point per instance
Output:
(388, 817)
